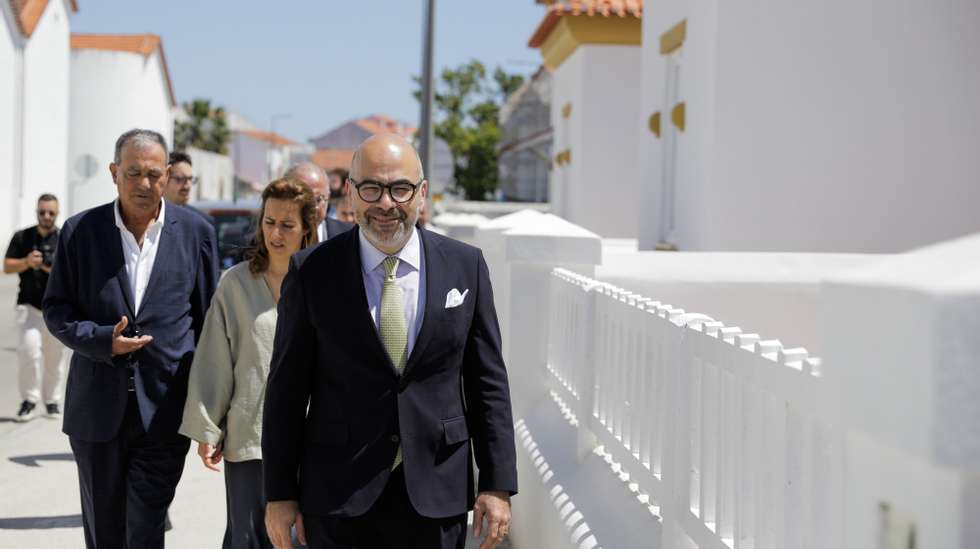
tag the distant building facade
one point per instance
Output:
(335, 148)
(215, 175)
(118, 82)
(592, 48)
(34, 106)
(526, 138)
(260, 156)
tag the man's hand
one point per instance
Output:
(210, 455)
(495, 506)
(34, 260)
(122, 345)
(279, 516)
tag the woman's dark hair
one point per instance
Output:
(290, 190)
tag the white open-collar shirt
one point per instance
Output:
(139, 260)
(410, 277)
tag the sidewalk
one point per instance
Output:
(40, 506)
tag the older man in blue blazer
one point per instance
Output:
(375, 410)
(128, 292)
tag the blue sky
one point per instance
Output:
(321, 62)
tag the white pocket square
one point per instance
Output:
(454, 298)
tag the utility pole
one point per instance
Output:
(425, 125)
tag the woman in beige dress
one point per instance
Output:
(223, 412)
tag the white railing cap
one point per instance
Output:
(548, 238)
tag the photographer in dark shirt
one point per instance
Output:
(30, 255)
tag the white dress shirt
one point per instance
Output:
(321, 231)
(139, 260)
(410, 277)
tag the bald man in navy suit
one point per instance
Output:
(375, 412)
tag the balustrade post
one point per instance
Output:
(522, 250)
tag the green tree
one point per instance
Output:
(466, 107)
(205, 128)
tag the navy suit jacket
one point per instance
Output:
(452, 401)
(89, 291)
(336, 227)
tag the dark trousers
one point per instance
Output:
(127, 484)
(391, 522)
(246, 506)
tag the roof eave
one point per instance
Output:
(548, 24)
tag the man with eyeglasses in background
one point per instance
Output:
(30, 255)
(180, 182)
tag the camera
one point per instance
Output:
(47, 254)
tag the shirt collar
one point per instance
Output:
(372, 257)
(119, 222)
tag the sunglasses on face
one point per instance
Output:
(47, 213)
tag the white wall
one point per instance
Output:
(45, 111)
(776, 294)
(111, 92)
(597, 190)
(9, 121)
(830, 126)
(215, 175)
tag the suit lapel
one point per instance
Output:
(435, 268)
(166, 250)
(357, 302)
(118, 259)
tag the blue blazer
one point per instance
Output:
(452, 401)
(89, 291)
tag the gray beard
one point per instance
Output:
(398, 239)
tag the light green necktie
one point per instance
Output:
(394, 335)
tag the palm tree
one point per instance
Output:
(205, 128)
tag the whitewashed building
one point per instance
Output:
(260, 156)
(829, 126)
(215, 175)
(593, 51)
(34, 102)
(118, 82)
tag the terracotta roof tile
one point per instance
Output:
(273, 138)
(588, 8)
(379, 123)
(28, 13)
(329, 159)
(142, 44)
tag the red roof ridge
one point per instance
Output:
(273, 138)
(576, 8)
(144, 44)
(28, 13)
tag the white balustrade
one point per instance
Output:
(729, 438)
(714, 426)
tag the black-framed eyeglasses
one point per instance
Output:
(372, 191)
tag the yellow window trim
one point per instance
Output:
(572, 32)
(654, 123)
(674, 38)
